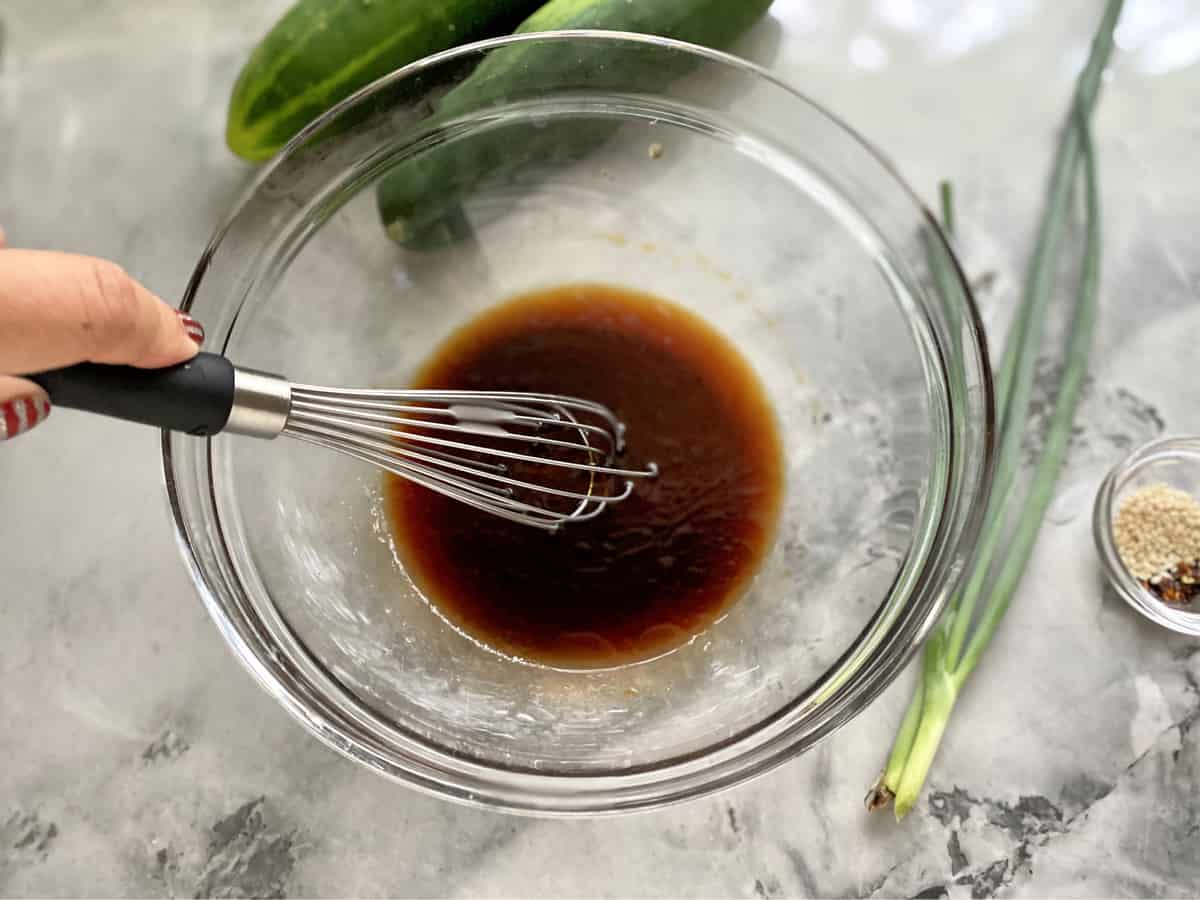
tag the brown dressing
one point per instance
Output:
(654, 569)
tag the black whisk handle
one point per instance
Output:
(195, 397)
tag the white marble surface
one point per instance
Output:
(139, 759)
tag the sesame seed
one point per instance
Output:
(1157, 527)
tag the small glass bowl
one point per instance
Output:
(1174, 462)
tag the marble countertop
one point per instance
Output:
(138, 757)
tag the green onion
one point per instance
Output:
(946, 663)
(946, 195)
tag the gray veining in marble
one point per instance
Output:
(139, 759)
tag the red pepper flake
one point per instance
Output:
(1178, 585)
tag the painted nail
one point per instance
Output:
(22, 413)
(193, 328)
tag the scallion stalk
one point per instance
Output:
(946, 664)
(946, 196)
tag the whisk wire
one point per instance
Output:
(415, 435)
(329, 411)
(479, 496)
(447, 461)
(514, 401)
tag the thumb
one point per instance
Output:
(57, 309)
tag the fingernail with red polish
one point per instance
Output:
(193, 328)
(20, 414)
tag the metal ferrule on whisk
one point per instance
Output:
(261, 404)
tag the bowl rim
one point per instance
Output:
(1104, 512)
(439, 771)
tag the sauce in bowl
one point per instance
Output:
(652, 570)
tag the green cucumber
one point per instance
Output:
(322, 51)
(419, 199)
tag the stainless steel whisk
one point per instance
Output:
(495, 451)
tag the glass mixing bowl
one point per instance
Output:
(586, 156)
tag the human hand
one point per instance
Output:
(58, 309)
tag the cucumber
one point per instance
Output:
(419, 199)
(322, 51)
